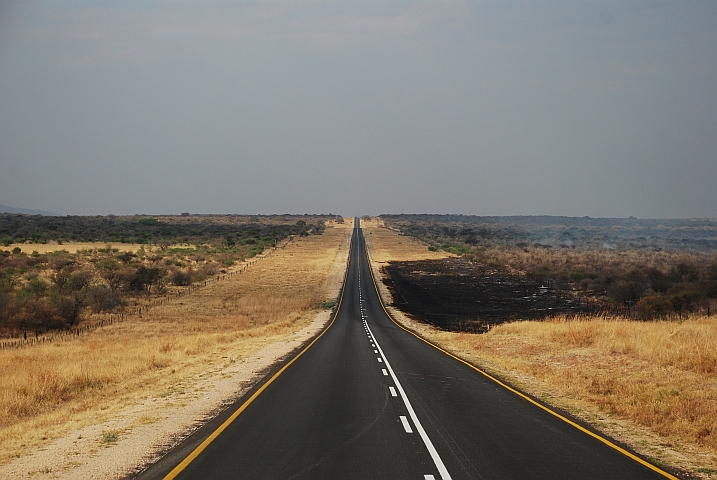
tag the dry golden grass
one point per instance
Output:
(72, 247)
(652, 385)
(385, 244)
(50, 389)
(660, 375)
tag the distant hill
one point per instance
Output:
(6, 209)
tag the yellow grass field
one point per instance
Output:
(49, 390)
(385, 244)
(71, 247)
(651, 385)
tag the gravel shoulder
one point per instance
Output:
(140, 433)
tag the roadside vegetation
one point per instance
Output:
(55, 290)
(161, 356)
(650, 384)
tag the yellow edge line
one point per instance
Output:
(197, 451)
(522, 395)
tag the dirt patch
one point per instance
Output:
(457, 295)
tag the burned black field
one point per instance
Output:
(457, 295)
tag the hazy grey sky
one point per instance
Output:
(481, 107)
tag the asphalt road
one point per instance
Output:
(370, 400)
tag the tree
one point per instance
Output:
(70, 307)
(181, 278)
(144, 278)
(683, 301)
(37, 286)
(61, 278)
(79, 281)
(654, 306)
(112, 272)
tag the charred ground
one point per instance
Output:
(458, 295)
(642, 269)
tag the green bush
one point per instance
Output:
(110, 437)
(327, 304)
(457, 249)
(576, 276)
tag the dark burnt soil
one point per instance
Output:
(455, 294)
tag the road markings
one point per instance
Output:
(379, 360)
(406, 425)
(375, 351)
(414, 418)
(384, 371)
(520, 394)
(429, 477)
(393, 391)
(202, 446)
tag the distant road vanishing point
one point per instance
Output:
(368, 399)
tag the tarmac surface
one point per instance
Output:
(371, 400)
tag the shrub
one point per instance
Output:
(101, 298)
(182, 278)
(327, 304)
(144, 278)
(69, 308)
(653, 306)
(110, 436)
(79, 281)
(576, 276)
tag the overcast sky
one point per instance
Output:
(360, 107)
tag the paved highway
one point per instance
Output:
(369, 400)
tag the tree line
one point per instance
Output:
(41, 292)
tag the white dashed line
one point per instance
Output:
(414, 418)
(375, 351)
(379, 360)
(429, 477)
(406, 425)
(384, 371)
(393, 391)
